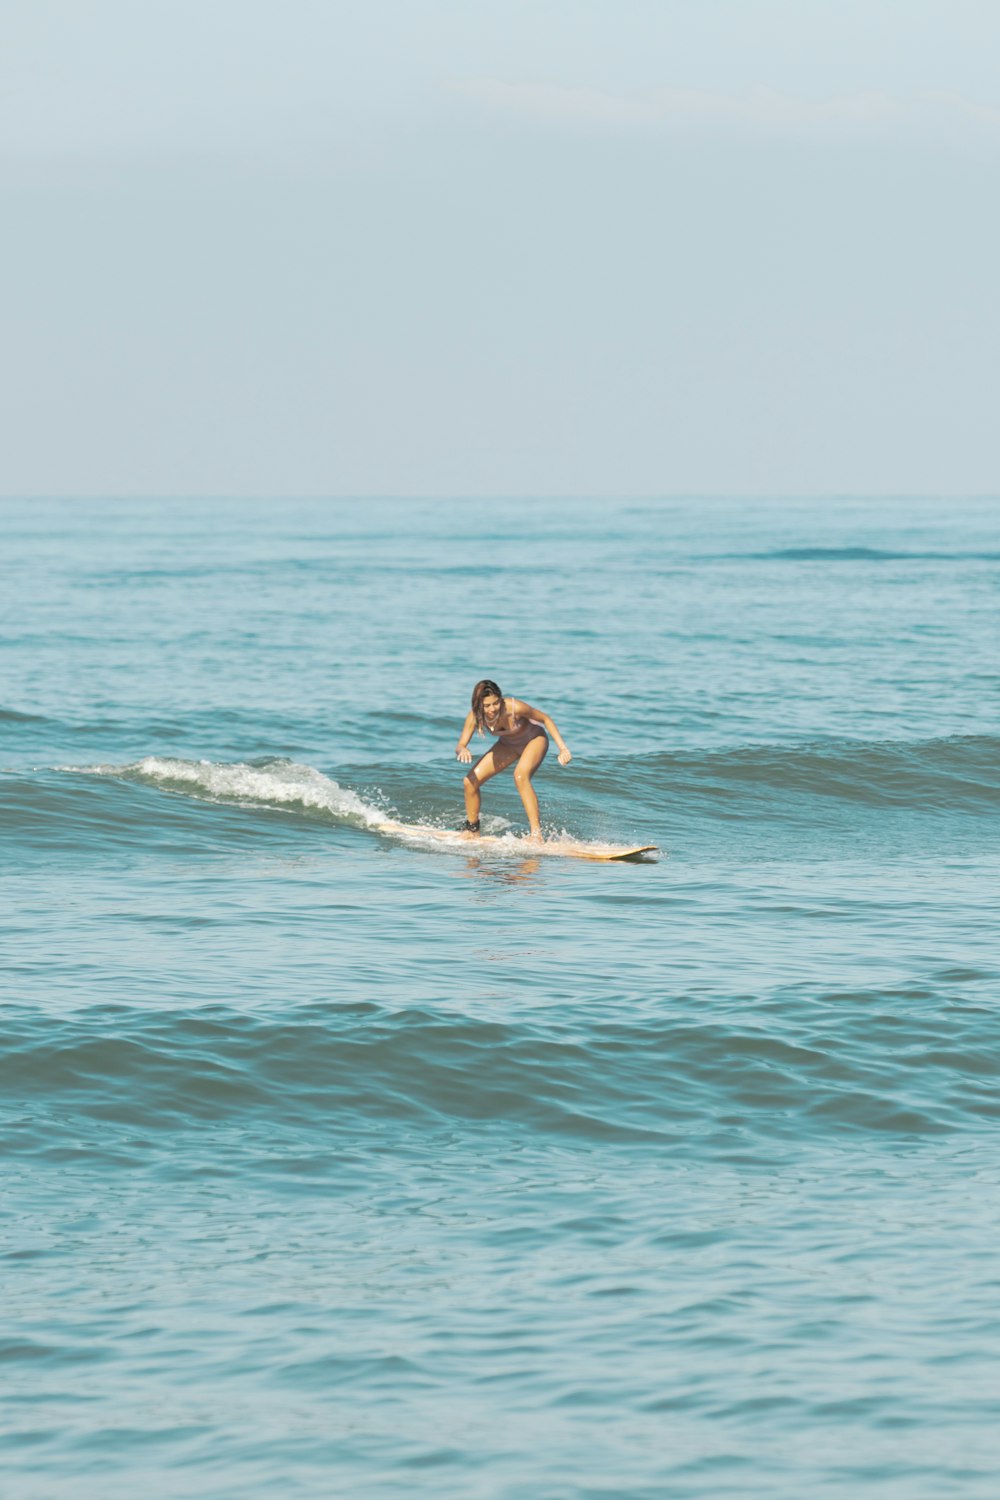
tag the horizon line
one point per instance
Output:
(464, 497)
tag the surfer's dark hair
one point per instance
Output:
(484, 689)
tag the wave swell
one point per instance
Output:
(651, 1079)
(948, 775)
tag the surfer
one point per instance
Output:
(522, 736)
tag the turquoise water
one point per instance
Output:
(339, 1166)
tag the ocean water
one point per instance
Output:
(335, 1165)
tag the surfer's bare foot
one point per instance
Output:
(471, 830)
(534, 836)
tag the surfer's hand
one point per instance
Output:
(464, 754)
(564, 756)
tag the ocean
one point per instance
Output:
(339, 1165)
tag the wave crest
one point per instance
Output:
(271, 783)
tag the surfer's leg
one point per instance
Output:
(490, 764)
(531, 758)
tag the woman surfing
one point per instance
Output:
(522, 741)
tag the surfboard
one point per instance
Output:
(560, 848)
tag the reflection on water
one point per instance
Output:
(494, 874)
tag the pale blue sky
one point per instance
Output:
(610, 247)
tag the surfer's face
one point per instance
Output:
(492, 706)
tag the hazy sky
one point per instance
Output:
(485, 247)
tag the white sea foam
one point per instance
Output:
(281, 783)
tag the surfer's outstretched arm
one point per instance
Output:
(462, 748)
(526, 711)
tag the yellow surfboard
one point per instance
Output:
(509, 844)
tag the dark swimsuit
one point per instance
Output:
(519, 731)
